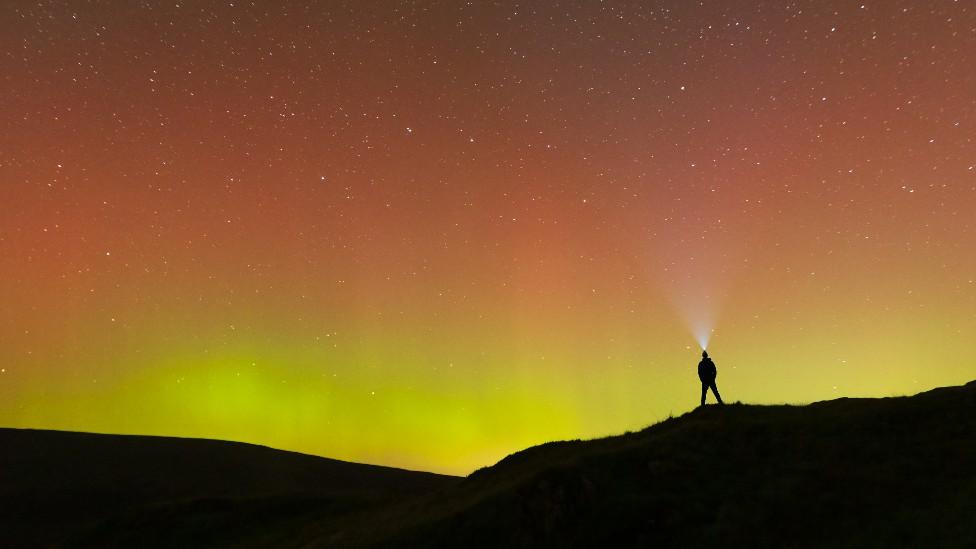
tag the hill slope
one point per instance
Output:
(893, 472)
(850, 473)
(56, 484)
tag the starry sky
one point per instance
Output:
(429, 234)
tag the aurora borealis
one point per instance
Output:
(429, 234)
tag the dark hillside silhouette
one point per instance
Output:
(55, 484)
(891, 472)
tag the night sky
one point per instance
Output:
(429, 234)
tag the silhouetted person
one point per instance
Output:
(707, 373)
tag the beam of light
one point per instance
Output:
(703, 333)
(698, 310)
(695, 277)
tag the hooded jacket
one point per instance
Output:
(706, 370)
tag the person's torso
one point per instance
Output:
(706, 369)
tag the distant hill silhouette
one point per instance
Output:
(55, 485)
(891, 472)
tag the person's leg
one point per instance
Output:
(718, 397)
(704, 392)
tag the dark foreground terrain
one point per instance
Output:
(62, 488)
(893, 472)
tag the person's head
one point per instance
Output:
(704, 354)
